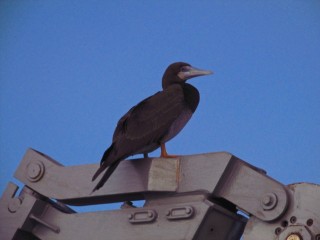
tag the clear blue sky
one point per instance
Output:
(70, 69)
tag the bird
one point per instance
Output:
(154, 121)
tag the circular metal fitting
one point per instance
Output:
(298, 222)
(269, 201)
(35, 171)
(296, 232)
(294, 236)
(309, 222)
(293, 219)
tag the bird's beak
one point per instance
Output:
(191, 72)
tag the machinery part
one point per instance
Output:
(252, 191)
(220, 175)
(191, 197)
(35, 171)
(43, 220)
(269, 201)
(300, 222)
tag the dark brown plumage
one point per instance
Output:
(155, 120)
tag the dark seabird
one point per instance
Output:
(155, 120)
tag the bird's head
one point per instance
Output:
(180, 72)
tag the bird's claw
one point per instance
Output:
(168, 156)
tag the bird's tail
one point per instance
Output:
(103, 165)
(106, 175)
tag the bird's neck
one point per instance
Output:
(191, 96)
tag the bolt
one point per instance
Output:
(284, 223)
(293, 219)
(309, 222)
(168, 213)
(269, 201)
(294, 236)
(130, 216)
(277, 231)
(317, 237)
(14, 205)
(35, 171)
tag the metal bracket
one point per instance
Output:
(252, 191)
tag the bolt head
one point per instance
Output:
(35, 171)
(269, 201)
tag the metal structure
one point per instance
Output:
(194, 197)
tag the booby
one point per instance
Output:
(155, 120)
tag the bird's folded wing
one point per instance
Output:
(155, 115)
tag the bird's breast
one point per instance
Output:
(178, 124)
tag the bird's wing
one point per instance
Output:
(155, 114)
(144, 124)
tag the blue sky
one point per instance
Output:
(70, 69)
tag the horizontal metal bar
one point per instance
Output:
(219, 175)
(132, 180)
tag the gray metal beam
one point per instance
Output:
(220, 175)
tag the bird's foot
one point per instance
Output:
(168, 156)
(164, 153)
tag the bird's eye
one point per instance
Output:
(184, 69)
